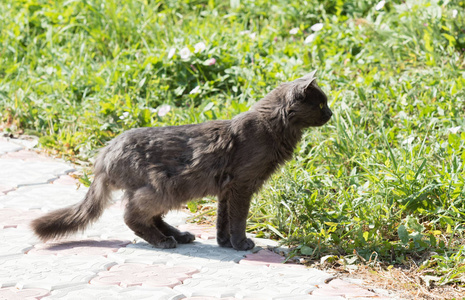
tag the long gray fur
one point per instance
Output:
(160, 168)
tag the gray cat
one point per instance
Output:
(161, 168)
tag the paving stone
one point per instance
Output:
(14, 241)
(44, 196)
(119, 205)
(271, 244)
(28, 156)
(14, 218)
(25, 293)
(176, 217)
(49, 272)
(79, 247)
(26, 141)
(16, 172)
(7, 147)
(66, 180)
(338, 287)
(5, 189)
(321, 298)
(87, 291)
(295, 297)
(132, 274)
(244, 280)
(377, 297)
(267, 258)
(216, 298)
(200, 231)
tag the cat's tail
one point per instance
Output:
(74, 218)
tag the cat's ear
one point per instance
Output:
(308, 79)
(303, 83)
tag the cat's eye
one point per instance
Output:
(322, 105)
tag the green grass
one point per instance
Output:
(385, 176)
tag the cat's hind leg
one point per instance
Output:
(140, 212)
(182, 237)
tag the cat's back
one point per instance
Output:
(145, 138)
(166, 151)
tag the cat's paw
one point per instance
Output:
(242, 245)
(224, 242)
(165, 243)
(185, 237)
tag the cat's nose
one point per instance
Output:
(329, 113)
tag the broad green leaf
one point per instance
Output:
(403, 234)
(305, 250)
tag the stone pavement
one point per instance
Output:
(108, 261)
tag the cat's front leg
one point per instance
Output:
(238, 202)
(223, 236)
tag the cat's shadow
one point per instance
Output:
(204, 249)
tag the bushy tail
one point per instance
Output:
(71, 219)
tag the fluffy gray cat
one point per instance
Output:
(161, 168)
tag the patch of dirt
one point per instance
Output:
(406, 283)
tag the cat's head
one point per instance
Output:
(307, 104)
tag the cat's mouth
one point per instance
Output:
(321, 123)
(323, 120)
